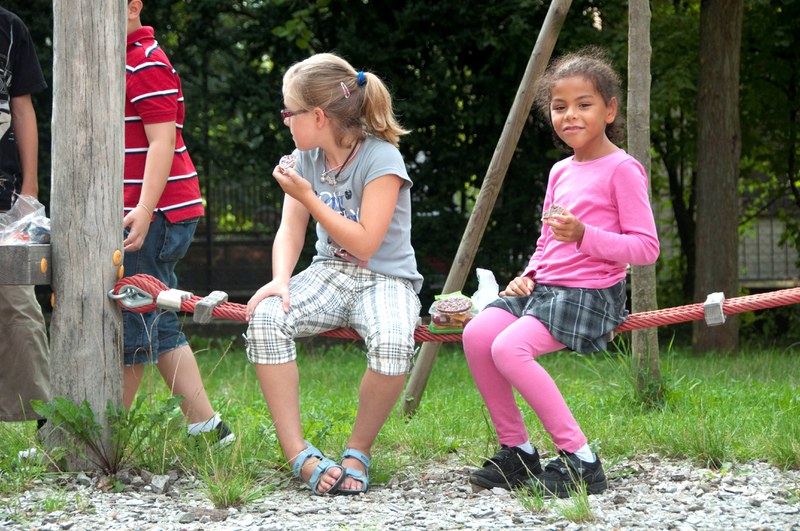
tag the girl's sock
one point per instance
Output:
(585, 454)
(526, 447)
(202, 427)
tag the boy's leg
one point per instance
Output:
(180, 372)
(131, 378)
(24, 352)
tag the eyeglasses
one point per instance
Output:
(286, 113)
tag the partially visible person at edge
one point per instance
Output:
(162, 206)
(572, 293)
(350, 177)
(24, 353)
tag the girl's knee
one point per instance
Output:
(477, 341)
(269, 338)
(390, 354)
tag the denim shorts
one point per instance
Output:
(147, 335)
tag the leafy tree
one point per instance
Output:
(770, 104)
(453, 68)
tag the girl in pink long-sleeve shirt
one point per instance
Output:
(597, 219)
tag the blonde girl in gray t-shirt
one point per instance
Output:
(347, 174)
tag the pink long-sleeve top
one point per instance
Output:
(609, 196)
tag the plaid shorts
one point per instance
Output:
(580, 318)
(333, 294)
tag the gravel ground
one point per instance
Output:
(646, 492)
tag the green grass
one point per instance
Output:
(718, 410)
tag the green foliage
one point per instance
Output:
(454, 69)
(135, 434)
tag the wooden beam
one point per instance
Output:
(490, 188)
(25, 264)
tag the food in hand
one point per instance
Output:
(287, 162)
(552, 211)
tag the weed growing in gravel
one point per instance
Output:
(793, 495)
(533, 501)
(138, 434)
(54, 502)
(577, 507)
(232, 476)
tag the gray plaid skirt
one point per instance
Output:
(580, 318)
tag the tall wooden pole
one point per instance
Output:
(86, 203)
(644, 344)
(490, 188)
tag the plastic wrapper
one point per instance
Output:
(488, 289)
(451, 312)
(24, 223)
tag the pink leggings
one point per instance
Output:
(501, 350)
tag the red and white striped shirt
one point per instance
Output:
(153, 95)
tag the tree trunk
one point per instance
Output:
(86, 204)
(644, 346)
(718, 151)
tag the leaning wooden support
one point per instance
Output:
(476, 226)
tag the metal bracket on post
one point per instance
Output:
(131, 297)
(712, 309)
(204, 308)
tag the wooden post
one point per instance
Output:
(644, 344)
(86, 203)
(490, 188)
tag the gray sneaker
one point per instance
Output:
(508, 469)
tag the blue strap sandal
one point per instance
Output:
(357, 475)
(323, 466)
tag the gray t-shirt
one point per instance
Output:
(375, 158)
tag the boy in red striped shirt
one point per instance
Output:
(162, 207)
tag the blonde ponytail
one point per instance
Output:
(357, 102)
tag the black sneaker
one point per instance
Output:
(507, 469)
(566, 475)
(224, 435)
(218, 437)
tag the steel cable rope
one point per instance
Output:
(679, 314)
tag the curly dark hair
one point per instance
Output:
(592, 64)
